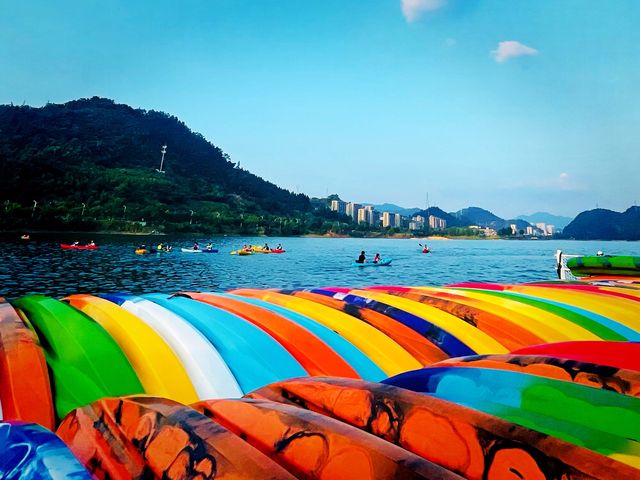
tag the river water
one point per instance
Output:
(40, 266)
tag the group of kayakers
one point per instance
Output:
(264, 248)
(90, 244)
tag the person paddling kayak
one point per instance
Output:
(361, 258)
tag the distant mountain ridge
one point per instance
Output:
(393, 208)
(602, 224)
(543, 217)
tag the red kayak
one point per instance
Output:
(425, 250)
(277, 250)
(614, 354)
(65, 246)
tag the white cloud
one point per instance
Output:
(411, 9)
(512, 49)
(564, 175)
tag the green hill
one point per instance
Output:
(105, 155)
(602, 224)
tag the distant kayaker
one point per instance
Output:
(600, 253)
(196, 246)
(279, 247)
(76, 243)
(361, 258)
(209, 246)
(377, 258)
(160, 247)
(91, 244)
(266, 246)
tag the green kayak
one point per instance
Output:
(605, 265)
(86, 363)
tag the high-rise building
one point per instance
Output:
(368, 215)
(338, 206)
(397, 220)
(437, 223)
(551, 229)
(386, 219)
(352, 210)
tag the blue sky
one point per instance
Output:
(515, 106)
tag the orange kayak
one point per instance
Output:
(149, 437)
(25, 391)
(473, 444)
(418, 346)
(313, 354)
(625, 382)
(312, 446)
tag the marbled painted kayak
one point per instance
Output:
(86, 363)
(626, 382)
(310, 445)
(603, 421)
(147, 437)
(29, 451)
(473, 444)
(25, 391)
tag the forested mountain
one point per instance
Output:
(105, 155)
(602, 224)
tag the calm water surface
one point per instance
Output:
(40, 266)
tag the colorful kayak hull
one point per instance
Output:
(362, 364)
(85, 362)
(65, 246)
(386, 353)
(312, 353)
(25, 392)
(205, 366)
(254, 357)
(155, 364)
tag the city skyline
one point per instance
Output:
(515, 107)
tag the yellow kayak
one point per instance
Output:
(382, 350)
(474, 338)
(157, 367)
(242, 252)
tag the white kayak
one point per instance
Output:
(191, 250)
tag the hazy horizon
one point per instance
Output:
(515, 107)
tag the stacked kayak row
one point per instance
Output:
(540, 379)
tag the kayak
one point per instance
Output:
(213, 250)
(191, 250)
(603, 265)
(382, 263)
(425, 250)
(65, 246)
(32, 451)
(242, 252)
(278, 250)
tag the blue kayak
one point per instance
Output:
(29, 451)
(382, 263)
